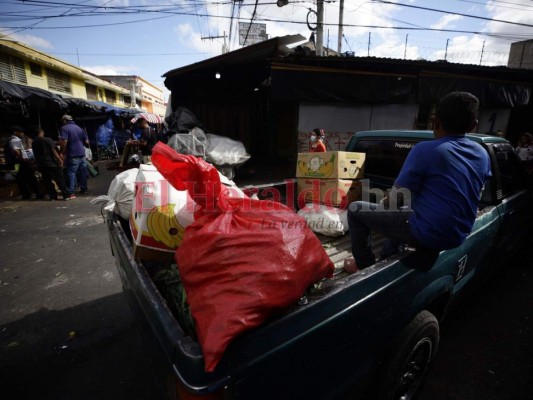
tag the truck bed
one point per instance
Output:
(339, 248)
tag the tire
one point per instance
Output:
(406, 368)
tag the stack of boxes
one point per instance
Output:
(331, 178)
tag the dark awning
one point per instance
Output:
(34, 98)
(490, 93)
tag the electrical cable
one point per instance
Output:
(251, 21)
(455, 13)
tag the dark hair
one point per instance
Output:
(16, 128)
(319, 133)
(33, 131)
(457, 111)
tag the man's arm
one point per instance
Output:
(56, 154)
(17, 151)
(63, 146)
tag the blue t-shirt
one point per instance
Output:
(75, 137)
(445, 177)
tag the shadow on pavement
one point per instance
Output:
(89, 351)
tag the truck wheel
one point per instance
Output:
(406, 368)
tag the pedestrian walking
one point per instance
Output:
(50, 163)
(73, 141)
(22, 155)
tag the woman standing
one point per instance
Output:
(317, 141)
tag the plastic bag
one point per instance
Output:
(186, 143)
(224, 151)
(242, 260)
(182, 120)
(326, 220)
(120, 194)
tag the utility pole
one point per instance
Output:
(405, 48)
(225, 48)
(341, 17)
(369, 36)
(446, 51)
(319, 27)
(482, 49)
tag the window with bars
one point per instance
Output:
(58, 81)
(110, 96)
(12, 69)
(92, 91)
(36, 69)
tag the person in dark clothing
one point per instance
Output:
(50, 163)
(148, 140)
(24, 160)
(73, 142)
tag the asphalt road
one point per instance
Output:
(66, 331)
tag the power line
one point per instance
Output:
(251, 21)
(171, 13)
(496, 5)
(455, 13)
(263, 19)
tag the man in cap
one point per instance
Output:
(73, 141)
(22, 155)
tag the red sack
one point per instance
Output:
(241, 261)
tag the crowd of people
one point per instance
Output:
(63, 166)
(37, 157)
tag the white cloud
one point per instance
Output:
(110, 69)
(29, 40)
(446, 21)
(189, 37)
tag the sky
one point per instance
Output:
(150, 37)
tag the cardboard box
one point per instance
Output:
(159, 216)
(331, 165)
(331, 192)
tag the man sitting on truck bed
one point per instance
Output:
(444, 177)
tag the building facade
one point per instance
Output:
(521, 55)
(24, 65)
(143, 94)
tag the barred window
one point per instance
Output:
(126, 99)
(92, 91)
(12, 69)
(58, 81)
(110, 96)
(36, 69)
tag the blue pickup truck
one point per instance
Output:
(368, 335)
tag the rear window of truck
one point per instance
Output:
(384, 157)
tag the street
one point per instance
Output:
(66, 331)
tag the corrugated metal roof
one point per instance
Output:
(245, 55)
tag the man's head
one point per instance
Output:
(34, 131)
(17, 131)
(66, 118)
(142, 122)
(456, 114)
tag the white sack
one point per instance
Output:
(120, 194)
(326, 220)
